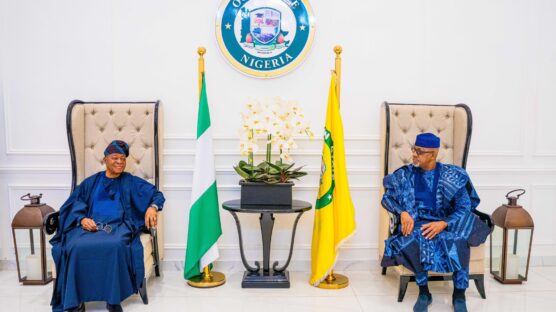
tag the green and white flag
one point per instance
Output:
(204, 218)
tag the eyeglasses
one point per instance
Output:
(420, 152)
(104, 227)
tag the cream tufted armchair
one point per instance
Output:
(400, 123)
(91, 126)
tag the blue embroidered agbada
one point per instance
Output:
(445, 193)
(106, 265)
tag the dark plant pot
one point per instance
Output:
(259, 193)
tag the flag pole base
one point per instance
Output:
(334, 281)
(214, 279)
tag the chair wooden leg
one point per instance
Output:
(143, 292)
(480, 283)
(384, 270)
(404, 281)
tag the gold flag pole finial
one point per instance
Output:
(208, 278)
(201, 51)
(338, 69)
(335, 280)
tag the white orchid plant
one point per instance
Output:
(277, 121)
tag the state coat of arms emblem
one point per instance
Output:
(265, 38)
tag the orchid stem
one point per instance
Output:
(250, 156)
(268, 147)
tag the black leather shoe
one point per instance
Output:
(423, 303)
(459, 305)
(114, 307)
(79, 308)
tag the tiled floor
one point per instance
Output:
(368, 291)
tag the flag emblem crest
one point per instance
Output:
(265, 38)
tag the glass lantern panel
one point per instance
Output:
(497, 240)
(29, 253)
(517, 253)
(49, 260)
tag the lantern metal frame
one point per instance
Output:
(33, 213)
(508, 217)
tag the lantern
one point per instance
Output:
(34, 259)
(510, 242)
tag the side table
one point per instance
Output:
(266, 277)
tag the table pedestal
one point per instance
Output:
(266, 276)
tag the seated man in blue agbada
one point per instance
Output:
(435, 204)
(97, 250)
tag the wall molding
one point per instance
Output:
(544, 154)
(285, 246)
(11, 151)
(172, 265)
(234, 152)
(35, 170)
(234, 187)
(373, 139)
(174, 170)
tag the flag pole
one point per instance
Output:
(335, 280)
(208, 278)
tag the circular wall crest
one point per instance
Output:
(265, 38)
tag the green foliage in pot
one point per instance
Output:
(269, 173)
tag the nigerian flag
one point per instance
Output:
(334, 212)
(204, 218)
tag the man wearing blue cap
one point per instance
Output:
(434, 203)
(97, 251)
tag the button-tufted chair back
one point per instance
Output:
(452, 123)
(91, 126)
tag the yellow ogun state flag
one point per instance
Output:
(334, 212)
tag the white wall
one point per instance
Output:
(496, 56)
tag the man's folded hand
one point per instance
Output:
(88, 224)
(150, 217)
(407, 223)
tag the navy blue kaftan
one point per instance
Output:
(445, 193)
(106, 265)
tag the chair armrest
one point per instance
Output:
(51, 222)
(394, 222)
(486, 218)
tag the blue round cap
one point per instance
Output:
(117, 146)
(427, 140)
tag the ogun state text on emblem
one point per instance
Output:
(265, 38)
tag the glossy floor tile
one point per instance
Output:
(368, 291)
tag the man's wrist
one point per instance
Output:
(155, 207)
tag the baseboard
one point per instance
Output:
(295, 265)
(6, 265)
(341, 266)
